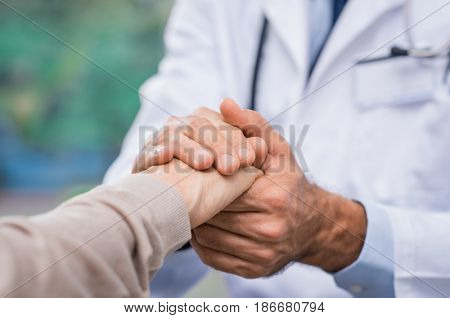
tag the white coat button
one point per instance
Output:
(356, 289)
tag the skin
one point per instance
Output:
(282, 217)
(205, 192)
(202, 140)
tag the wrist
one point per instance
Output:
(340, 236)
(177, 176)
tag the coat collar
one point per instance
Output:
(356, 17)
(288, 18)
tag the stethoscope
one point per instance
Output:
(395, 51)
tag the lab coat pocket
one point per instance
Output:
(394, 81)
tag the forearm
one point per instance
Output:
(108, 242)
(340, 229)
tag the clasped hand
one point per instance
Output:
(235, 163)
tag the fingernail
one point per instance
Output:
(228, 162)
(202, 156)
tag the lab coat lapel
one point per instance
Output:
(288, 19)
(357, 16)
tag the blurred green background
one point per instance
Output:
(62, 118)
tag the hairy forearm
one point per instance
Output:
(340, 227)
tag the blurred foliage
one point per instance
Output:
(56, 99)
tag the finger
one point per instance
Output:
(261, 150)
(247, 224)
(224, 262)
(266, 228)
(251, 200)
(253, 124)
(244, 202)
(228, 242)
(233, 135)
(191, 153)
(152, 156)
(172, 135)
(240, 143)
(202, 131)
(208, 113)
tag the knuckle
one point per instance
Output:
(137, 165)
(281, 229)
(255, 271)
(266, 256)
(277, 199)
(203, 254)
(163, 136)
(197, 122)
(265, 271)
(201, 110)
(203, 237)
(206, 259)
(160, 138)
(173, 123)
(249, 273)
(172, 119)
(276, 230)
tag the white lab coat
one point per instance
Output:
(379, 133)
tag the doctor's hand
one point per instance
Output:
(281, 218)
(204, 192)
(202, 140)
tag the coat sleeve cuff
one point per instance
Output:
(169, 214)
(372, 274)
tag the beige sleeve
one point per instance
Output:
(108, 242)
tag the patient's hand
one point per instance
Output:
(205, 192)
(202, 140)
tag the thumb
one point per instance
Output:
(253, 124)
